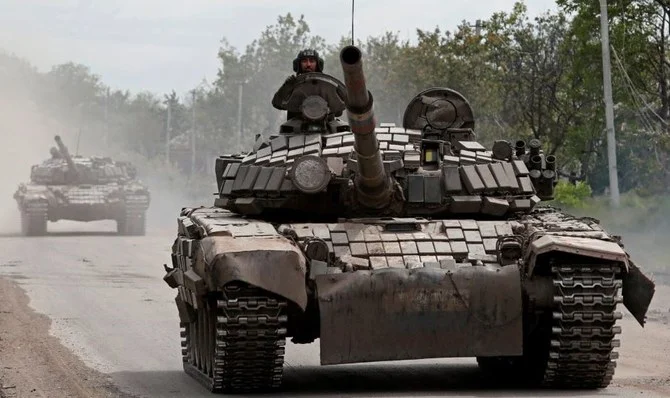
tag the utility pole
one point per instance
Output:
(106, 112)
(239, 112)
(479, 25)
(609, 107)
(193, 132)
(168, 130)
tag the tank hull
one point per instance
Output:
(85, 212)
(435, 288)
(41, 203)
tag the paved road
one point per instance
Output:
(109, 305)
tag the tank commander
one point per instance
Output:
(306, 61)
(54, 153)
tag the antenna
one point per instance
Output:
(352, 22)
(76, 152)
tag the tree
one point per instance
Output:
(18, 76)
(524, 78)
(540, 89)
(260, 71)
(74, 92)
(639, 43)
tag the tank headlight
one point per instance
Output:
(430, 156)
(314, 108)
(310, 174)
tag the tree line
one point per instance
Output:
(524, 77)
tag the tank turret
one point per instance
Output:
(74, 174)
(373, 188)
(318, 167)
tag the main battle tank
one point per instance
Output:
(391, 243)
(80, 188)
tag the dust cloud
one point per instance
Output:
(646, 240)
(27, 133)
(170, 192)
(644, 226)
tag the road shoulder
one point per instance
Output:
(34, 363)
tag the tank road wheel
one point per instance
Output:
(34, 221)
(121, 226)
(131, 223)
(572, 347)
(237, 343)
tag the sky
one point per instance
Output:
(160, 45)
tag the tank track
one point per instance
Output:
(34, 219)
(133, 221)
(583, 326)
(237, 343)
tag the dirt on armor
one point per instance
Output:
(34, 363)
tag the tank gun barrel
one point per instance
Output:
(66, 155)
(373, 187)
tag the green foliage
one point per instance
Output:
(574, 196)
(639, 32)
(523, 77)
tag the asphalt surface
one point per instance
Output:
(109, 305)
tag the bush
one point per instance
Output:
(574, 196)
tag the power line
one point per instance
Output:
(638, 100)
(629, 82)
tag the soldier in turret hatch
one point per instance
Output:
(308, 60)
(54, 153)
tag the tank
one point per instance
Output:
(67, 187)
(360, 235)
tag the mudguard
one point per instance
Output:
(638, 289)
(272, 263)
(395, 314)
(587, 247)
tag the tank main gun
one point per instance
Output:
(66, 155)
(373, 188)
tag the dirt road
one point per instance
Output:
(86, 314)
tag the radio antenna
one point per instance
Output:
(352, 22)
(76, 151)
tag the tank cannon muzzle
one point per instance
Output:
(373, 188)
